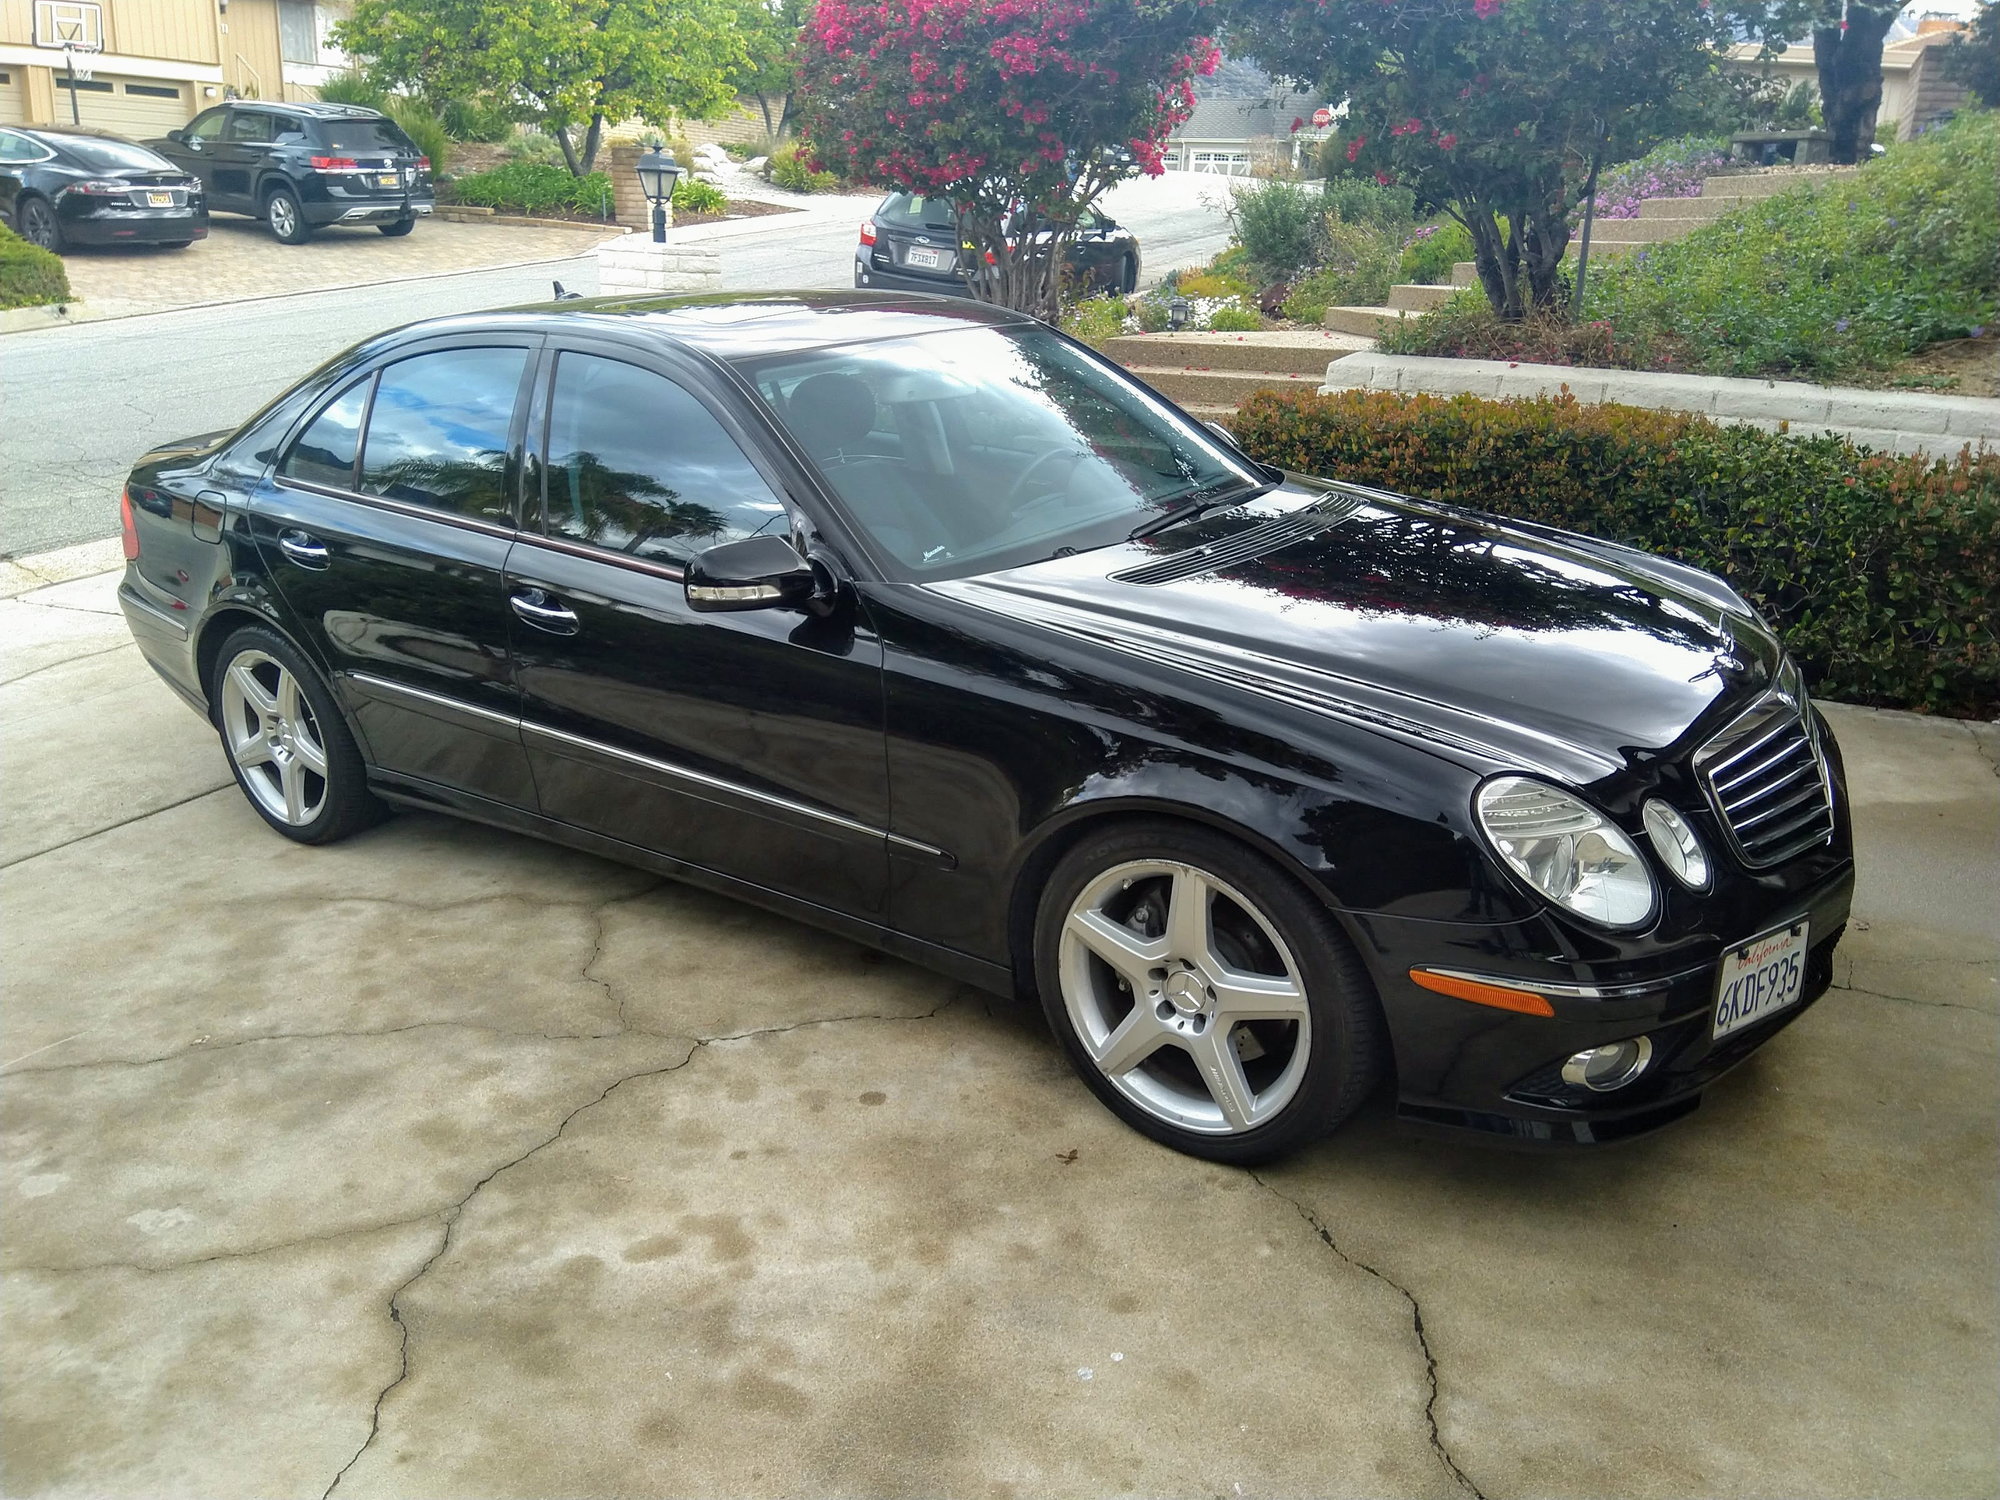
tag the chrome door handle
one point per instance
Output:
(304, 550)
(544, 613)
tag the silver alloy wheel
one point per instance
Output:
(274, 738)
(38, 224)
(283, 215)
(1196, 1013)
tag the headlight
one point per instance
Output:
(1674, 841)
(1567, 850)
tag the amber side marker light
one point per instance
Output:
(1527, 1002)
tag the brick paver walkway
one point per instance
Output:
(240, 259)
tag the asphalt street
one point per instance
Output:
(79, 403)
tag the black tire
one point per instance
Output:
(1128, 275)
(398, 229)
(344, 805)
(39, 224)
(175, 244)
(1317, 1074)
(284, 217)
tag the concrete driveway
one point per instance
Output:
(443, 1162)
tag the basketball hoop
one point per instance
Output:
(78, 62)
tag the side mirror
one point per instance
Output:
(756, 572)
(176, 135)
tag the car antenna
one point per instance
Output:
(567, 296)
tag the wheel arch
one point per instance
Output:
(224, 620)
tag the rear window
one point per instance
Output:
(364, 135)
(914, 211)
(110, 156)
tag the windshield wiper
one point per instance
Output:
(1201, 505)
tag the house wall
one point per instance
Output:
(150, 47)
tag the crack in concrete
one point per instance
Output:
(453, 1212)
(68, 661)
(84, 838)
(271, 1248)
(597, 912)
(1986, 747)
(1851, 989)
(1416, 1322)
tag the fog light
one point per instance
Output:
(1602, 1069)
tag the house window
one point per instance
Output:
(153, 90)
(83, 85)
(298, 31)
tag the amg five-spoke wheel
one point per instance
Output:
(286, 742)
(1204, 996)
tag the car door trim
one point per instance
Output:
(671, 572)
(399, 507)
(665, 768)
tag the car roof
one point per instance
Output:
(311, 107)
(85, 132)
(746, 325)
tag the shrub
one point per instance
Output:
(29, 275)
(1466, 327)
(790, 168)
(1363, 200)
(1209, 284)
(533, 146)
(693, 197)
(1274, 222)
(1096, 319)
(1234, 318)
(476, 120)
(421, 124)
(1880, 571)
(1675, 169)
(1357, 262)
(531, 187)
(352, 88)
(1851, 275)
(1431, 252)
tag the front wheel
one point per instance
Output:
(284, 216)
(1202, 995)
(286, 741)
(39, 225)
(398, 229)
(1128, 275)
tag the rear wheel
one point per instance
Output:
(398, 229)
(286, 741)
(1202, 995)
(1128, 275)
(39, 225)
(284, 216)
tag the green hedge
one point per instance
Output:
(533, 187)
(29, 275)
(1881, 572)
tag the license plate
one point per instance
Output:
(386, 179)
(1761, 977)
(921, 257)
(159, 200)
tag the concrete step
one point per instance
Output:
(1688, 208)
(1368, 322)
(1200, 390)
(1411, 297)
(1464, 273)
(1296, 351)
(1639, 231)
(1764, 184)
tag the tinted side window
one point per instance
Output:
(324, 453)
(207, 127)
(438, 432)
(248, 125)
(637, 465)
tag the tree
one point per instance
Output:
(1499, 110)
(1847, 38)
(1973, 58)
(1020, 112)
(770, 37)
(562, 65)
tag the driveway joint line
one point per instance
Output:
(255, 1251)
(66, 661)
(1416, 1322)
(84, 838)
(1855, 989)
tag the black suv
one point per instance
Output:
(911, 244)
(299, 167)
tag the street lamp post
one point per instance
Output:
(658, 172)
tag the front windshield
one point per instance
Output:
(982, 448)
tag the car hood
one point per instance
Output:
(1505, 643)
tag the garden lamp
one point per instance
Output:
(1177, 314)
(658, 172)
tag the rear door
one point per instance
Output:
(750, 744)
(386, 526)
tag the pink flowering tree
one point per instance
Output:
(1500, 111)
(1020, 112)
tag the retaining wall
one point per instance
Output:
(1889, 421)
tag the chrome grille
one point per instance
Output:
(1766, 779)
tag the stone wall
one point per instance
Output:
(628, 200)
(1889, 421)
(635, 266)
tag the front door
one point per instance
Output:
(195, 151)
(749, 744)
(237, 161)
(386, 527)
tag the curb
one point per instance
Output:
(50, 315)
(23, 575)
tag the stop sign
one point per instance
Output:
(1322, 116)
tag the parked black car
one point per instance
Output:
(915, 619)
(70, 185)
(911, 244)
(300, 167)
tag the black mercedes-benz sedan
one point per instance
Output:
(916, 620)
(68, 185)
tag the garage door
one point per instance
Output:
(139, 108)
(13, 96)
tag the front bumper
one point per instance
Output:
(1463, 1067)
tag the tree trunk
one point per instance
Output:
(764, 104)
(1850, 78)
(592, 139)
(1542, 253)
(1496, 258)
(561, 133)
